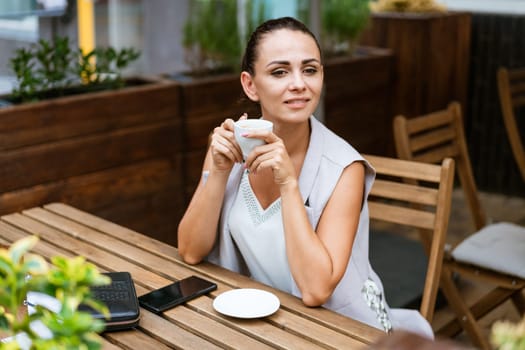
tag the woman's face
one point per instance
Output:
(288, 76)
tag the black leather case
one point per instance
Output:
(121, 298)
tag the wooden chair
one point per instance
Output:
(494, 252)
(511, 87)
(424, 206)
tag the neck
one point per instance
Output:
(296, 137)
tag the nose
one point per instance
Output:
(297, 82)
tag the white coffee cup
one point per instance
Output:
(245, 126)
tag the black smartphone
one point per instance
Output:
(174, 294)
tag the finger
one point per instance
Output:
(223, 150)
(228, 124)
(265, 135)
(244, 116)
(229, 138)
(269, 149)
(257, 161)
(259, 165)
(230, 143)
(224, 132)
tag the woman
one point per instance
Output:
(294, 214)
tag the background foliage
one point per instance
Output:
(50, 69)
(212, 38)
(342, 23)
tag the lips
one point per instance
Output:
(297, 102)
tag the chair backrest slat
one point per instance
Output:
(436, 154)
(405, 192)
(405, 169)
(434, 120)
(432, 138)
(402, 216)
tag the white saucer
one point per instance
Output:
(246, 303)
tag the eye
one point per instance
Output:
(278, 72)
(310, 70)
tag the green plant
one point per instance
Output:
(66, 279)
(48, 69)
(342, 23)
(212, 39)
(407, 6)
(508, 336)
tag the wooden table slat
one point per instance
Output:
(176, 336)
(131, 339)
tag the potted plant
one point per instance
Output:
(67, 280)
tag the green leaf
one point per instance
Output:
(6, 265)
(99, 306)
(21, 247)
(4, 323)
(34, 264)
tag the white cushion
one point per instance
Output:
(499, 247)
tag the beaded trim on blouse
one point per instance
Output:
(253, 205)
(374, 299)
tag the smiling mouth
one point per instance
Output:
(297, 102)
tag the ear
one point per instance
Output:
(248, 86)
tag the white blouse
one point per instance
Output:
(259, 236)
(359, 294)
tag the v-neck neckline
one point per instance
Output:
(257, 212)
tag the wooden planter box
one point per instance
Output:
(358, 97)
(432, 58)
(116, 154)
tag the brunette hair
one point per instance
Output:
(250, 53)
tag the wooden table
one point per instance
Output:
(67, 231)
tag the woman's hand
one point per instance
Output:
(273, 155)
(224, 149)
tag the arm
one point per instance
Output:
(318, 260)
(196, 235)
